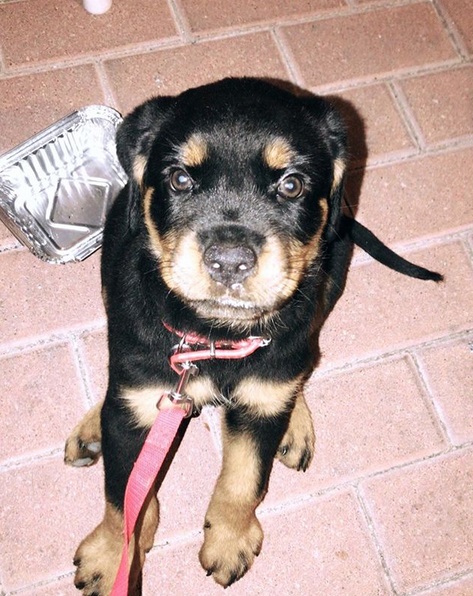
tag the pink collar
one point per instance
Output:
(188, 351)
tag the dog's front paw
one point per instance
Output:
(229, 550)
(296, 454)
(97, 560)
(83, 446)
(297, 447)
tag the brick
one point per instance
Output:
(365, 421)
(442, 104)
(140, 77)
(448, 371)
(393, 39)
(382, 310)
(423, 519)
(204, 15)
(74, 32)
(417, 198)
(37, 298)
(47, 508)
(44, 396)
(32, 102)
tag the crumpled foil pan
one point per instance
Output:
(57, 187)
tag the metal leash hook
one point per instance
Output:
(185, 371)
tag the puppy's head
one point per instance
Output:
(240, 185)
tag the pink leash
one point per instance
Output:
(145, 470)
(162, 433)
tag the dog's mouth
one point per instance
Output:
(229, 282)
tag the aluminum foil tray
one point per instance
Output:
(57, 187)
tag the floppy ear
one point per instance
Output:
(134, 140)
(332, 126)
(137, 132)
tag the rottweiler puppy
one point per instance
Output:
(230, 227)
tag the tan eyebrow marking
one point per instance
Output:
(194, 151)
(278, 154)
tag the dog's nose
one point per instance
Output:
(229, 264)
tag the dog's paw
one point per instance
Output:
(229, 550)
(97, 560)
(77, 453)
(297, 447)
(295, 453)
(83, 447)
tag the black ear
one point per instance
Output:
(137, 132)
(333, 131)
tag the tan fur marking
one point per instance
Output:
(194, 151)
(155, 238)
(301, 255)
(139, 167)
(142, 401)
(270, 285)
(338, 172)
(278, 154)
(266, 398)
(182, 267)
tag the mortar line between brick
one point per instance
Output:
(82, 371)
(416, 364)
(451, 29)
(406, 114)
(372, 533)
(389, 355)
(467, 246)
(31, 458)
(40, 584)
(379, 77)
(107, 89)
(430, 151)
(441, 583)
(181, 20)
(287, 56)
(40, 342)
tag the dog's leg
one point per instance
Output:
(233, 534)
(297, 446)
(84, 444)
(98, 556)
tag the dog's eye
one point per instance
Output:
(291, 187)
(180, 181)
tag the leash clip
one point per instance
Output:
(177, 396)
